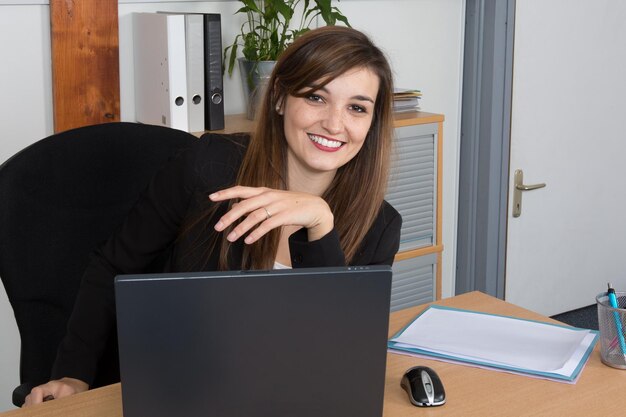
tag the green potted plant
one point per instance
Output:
(265, 34)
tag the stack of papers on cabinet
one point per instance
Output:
(503, 343)
(405, 100)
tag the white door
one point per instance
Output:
(568, 129)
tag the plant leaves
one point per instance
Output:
(284, 9)
(338, 16)
(267, 32)
(233, 55)
(250, 6)
(325, 11)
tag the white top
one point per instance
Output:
(278, 265)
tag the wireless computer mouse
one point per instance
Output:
(423, 386)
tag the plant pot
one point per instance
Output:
(254, 78)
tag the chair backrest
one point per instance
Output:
(59, 198)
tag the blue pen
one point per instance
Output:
(618, 322)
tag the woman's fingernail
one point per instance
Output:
(232, 237)
(219, 226)
(213, 196)
(248, 240)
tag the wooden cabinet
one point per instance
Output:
(415, 191)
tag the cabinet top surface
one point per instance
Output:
(239, 123)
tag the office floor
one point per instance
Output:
(586, 317)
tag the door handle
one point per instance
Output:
(523, 187)
(517, 192)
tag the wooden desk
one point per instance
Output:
(470, 391)
(483, 393)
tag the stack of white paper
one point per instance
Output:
(505, 343)
(405, 100)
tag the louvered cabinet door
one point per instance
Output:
(413, 184)
(413, 281)
(413, 188)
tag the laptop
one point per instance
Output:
(298, 343)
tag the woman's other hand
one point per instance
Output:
(263, 209)
(55, 389)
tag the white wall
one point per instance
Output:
(25, 116)
(25, 77)
(423, 39)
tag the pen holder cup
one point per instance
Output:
(612, 323)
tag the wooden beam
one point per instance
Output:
(85, 62)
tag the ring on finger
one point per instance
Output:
(267, 212)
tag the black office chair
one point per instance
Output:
(58, 198)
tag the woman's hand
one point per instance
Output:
(264, 209)
(55, 389)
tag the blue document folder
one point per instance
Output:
(543, 350)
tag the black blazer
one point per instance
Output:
(150, 240)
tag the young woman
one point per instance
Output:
(305, 190)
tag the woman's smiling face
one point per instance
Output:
(328, 127)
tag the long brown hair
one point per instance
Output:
(358, 189)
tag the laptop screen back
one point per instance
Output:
(301, 342)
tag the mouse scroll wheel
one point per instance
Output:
(427, 383)
(429, 388)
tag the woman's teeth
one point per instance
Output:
(325, 142)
